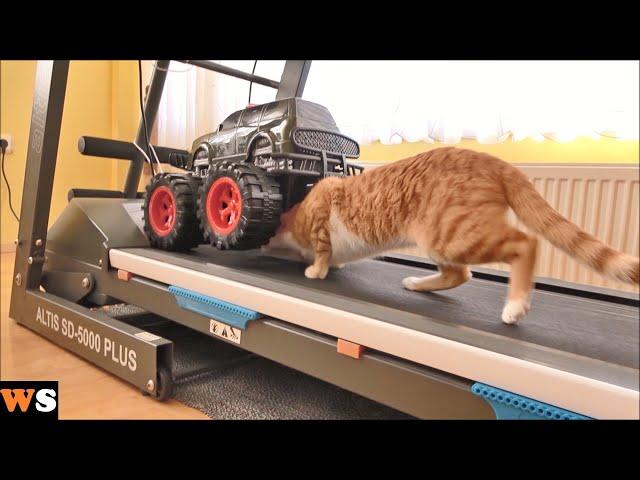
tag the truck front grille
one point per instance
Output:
(321, 140)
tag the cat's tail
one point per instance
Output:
(534, 211)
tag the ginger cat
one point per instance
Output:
(452, 204)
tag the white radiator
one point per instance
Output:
(601, 199)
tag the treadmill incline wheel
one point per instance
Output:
(170, 220)
(239, 206)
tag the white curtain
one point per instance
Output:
(434, 101)
(196, 101)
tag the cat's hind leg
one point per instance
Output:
(521, 253)
(503, 243)
(450, 276)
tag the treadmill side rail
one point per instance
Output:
(510, 406)
(225, 312)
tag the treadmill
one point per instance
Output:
(431, 355)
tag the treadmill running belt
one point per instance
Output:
(587, 327)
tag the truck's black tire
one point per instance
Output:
(170, 218)
(239, 206)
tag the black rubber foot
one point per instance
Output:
(165, 384)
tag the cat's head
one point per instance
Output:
(285, 238)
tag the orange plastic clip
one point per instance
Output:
(350, 349)
(124, 275)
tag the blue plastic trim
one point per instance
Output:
(510, 406)
(212, 307)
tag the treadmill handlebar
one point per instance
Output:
(108, 148)
(104, 147)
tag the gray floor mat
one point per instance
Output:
(228, 383)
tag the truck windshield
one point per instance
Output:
(230, 122)
(275, 111)
(312, 115)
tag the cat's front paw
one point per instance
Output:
(514, 310)
(314, 271)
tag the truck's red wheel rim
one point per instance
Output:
(224, 205)
(162, 211)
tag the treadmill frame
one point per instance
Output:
(84, 270)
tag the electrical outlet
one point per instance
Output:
(9, 138)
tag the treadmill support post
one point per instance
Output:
(44, 136)
(294, 79)
(121, 349)
(151, 105)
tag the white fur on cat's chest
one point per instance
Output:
(346, 246)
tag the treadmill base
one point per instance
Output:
(90, 231)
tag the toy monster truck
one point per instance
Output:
(260, 161)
